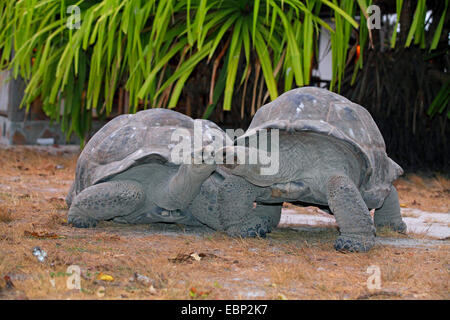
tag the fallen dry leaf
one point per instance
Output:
(10, 291)
(42, 235)
(194, 256)
(20, 167)
(8, 283)
(105, 277)
(194, 293)
(281, 296)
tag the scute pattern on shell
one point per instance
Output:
(129, 140)
(319, 110)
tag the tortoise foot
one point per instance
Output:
(80, 221)
(254, 227)
(352, 243)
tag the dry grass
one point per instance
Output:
(289, 264)
(428, 194)
(5, 214)
(389, 233)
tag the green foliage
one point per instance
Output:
(441, 101)
(151, 48)
(417, 32)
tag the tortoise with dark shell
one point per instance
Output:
(331, 154)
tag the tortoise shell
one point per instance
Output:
(130, 140)
(321, 111)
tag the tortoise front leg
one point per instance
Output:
(388, 215)
(105, 201)
(357, 232)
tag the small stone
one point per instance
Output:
(196, 256)
(152, 290)
(142, 279)
(39, 254)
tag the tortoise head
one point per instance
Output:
(255, 165)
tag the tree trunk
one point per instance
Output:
(406, 17)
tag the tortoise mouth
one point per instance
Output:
(159, 214)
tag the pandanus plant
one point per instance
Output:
(148, 49)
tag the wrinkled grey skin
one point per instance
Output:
(126, 174)
(331, 154)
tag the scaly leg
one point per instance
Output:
(235, 209)
(389, 214)
(105, 201)
(357, 232)
(270, 212)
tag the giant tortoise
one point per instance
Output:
(331, 154)
(126, 173)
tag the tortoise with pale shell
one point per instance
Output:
(126, 174)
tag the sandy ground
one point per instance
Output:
(296, 261)
(430, 224)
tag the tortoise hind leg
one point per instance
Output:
(388, 215)
(269, 212)
(105, 201)
(237, 215)
(357, 232)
